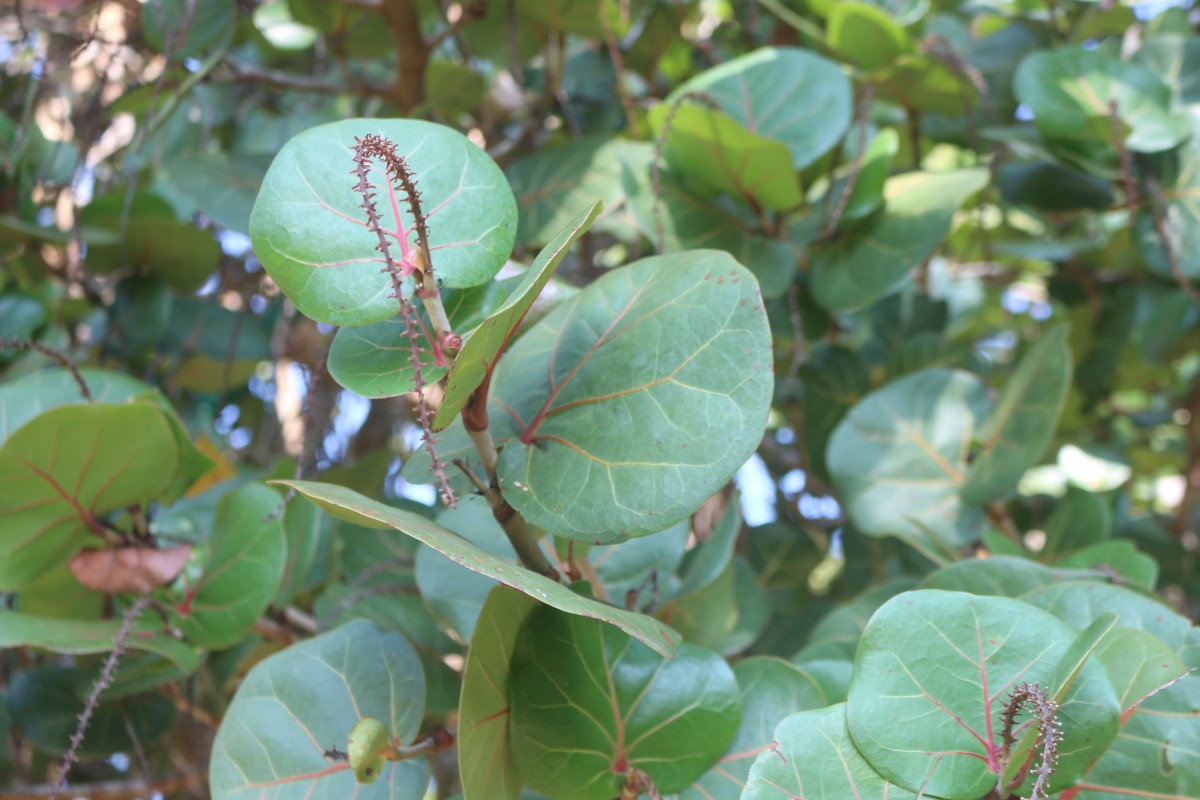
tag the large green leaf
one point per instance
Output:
(221, 186)
(835, 378)
(589, 704)
(553, 186)
(1003, 576)
(375, 360)
(273, 739)
(723, 157)
(1069, 91)
(899, 458)
(311, 234)
(866, 35)
(488, 341)
(674, 352)
(80, 637)
(934, 667)
(353, 507)
(243, 570)
(484, 713)
(31, 394)
(183, 29)
(1018, 431)
(872, 260)
(771, 690)
(815, 759)
(783, 93)
(64, 470)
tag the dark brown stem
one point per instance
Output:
(50, 352)
(862, 117)
(103, 681)
(407, 89)
(1158, 208)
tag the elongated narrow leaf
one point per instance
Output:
(62, 471)
(80, 637)
(900, 457)
(485, 759)
(675, 353)
(299, 703)
(311, 234)
(936, 667)
(589, 704)
(246, 559)
(487, 342)
(815, 759)
(1019, 429)
(353, 507)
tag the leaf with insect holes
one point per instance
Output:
(485, 759)
(486, 344)
(814, 758)
(273, 740)
(62, 471)
(351, 506)
(311, 233)
(373, 360)
(589, 704)
(936, 667)
(674, 353)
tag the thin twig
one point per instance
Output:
(306, 437)
(50, 352)
(103, 681)
(1158, 210)
(862, 119)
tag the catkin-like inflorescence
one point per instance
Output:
(365, 148)
(1045, 712)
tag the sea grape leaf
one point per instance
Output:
(871, 260)
(1138, 664)
(273, 739)
(675, 352)
(181, 29)
(1079, 520)
(487, 342)
(723, 157)
(311, 234)
(243, 570)
(375, 360)
(836, 636)
(900, 457)
(938, 665)
(29, 395)
(835, 379)
(352, 507)
(1003, 576)
(771, 690)
(1017, 432)
(815, 758)
(1070, 90)
(690, 222)
(589, 704)
(82, 637)
(783, 93)
(485, 759)
(1179, 175)
(1119, 556)
(1051, 186)
(866, 35)
(222, 186)
(67, 468)
(554, 185)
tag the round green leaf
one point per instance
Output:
(872, 260)
(1050, 186)
(674, 352)
(63, 471)
(930, 680)
(717, 153)
(899, 458)
(310, 231)
(185, 28)
(814, 758)
(374, 360)
(273, 739)
(554, 185)
(485, 759)
(246, 558)
(222, 186)
(1069, 91)
(29, 395)
(771, 690)
(782, 93)
(866, 35)
(589, 704)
